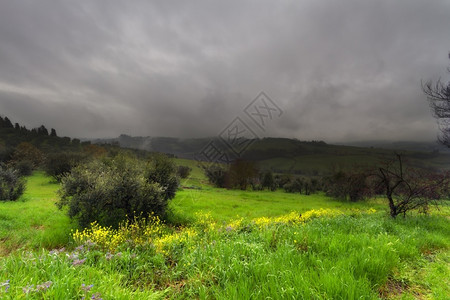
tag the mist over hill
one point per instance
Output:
(292, 155)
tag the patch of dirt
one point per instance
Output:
(4, 251)
(38, 227)
(393, 288)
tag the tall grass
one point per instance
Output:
(339, 257)
(34, 221)
(344, 252)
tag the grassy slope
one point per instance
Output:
(225, 205)
(197, 195)
(344, 257)
(289, 155)
(34, 220)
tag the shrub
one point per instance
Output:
(184, 171)
(12, 185)
(26, 151)
(162, 170)
(309, 186)
(24, 167)
(216, 175)
(112, 190)
(351, 185)
(241, 173)
(294, 186)
(6, 154)
(57, 165)
(268, 181)
(302, 185)
(281, 180)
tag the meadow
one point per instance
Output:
(224, 244)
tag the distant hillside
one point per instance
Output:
(404, 145)
(290, 155)
(12, 135)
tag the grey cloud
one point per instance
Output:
(340, 70)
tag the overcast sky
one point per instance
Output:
(340, 70)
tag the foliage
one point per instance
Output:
(110, 191)
(408, 189)
(331, 253)
(282, 179)
(12, 185)
(28, 152)
(5, 122)
(240, 174)
(338, 253)
(268, 181)
(306, 186)
(24, 167)
(294, 186)
(184, 171)
(59, 164)
(216, 175)
(94, 150)
(151, 231)
(162, 170)
(18, 143)
(352, 185)
(140, 231)
(5, 153)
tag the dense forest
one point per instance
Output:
(47, 141)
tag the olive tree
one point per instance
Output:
(111, 190)
(12, 185)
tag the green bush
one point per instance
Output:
(184, 171)
(302, 185)
(12, 185)
(240, 174)
(112, 190)
(24, 167)
(57, 165)
(162, 170)
(294, 186)
(268, 181)
(351, 185)
(216, 175)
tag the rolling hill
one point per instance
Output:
(283, 155)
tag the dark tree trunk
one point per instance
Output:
(392, 207)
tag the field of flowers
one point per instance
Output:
(283, 246)
(319, 254)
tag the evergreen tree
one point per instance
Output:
(7, 123)
(42, 130)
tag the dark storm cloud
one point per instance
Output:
(340, 70)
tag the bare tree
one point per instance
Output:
(438, 93)
(408, 189)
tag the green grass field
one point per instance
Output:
(242, 249)
(225, 205)
(34, 221)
